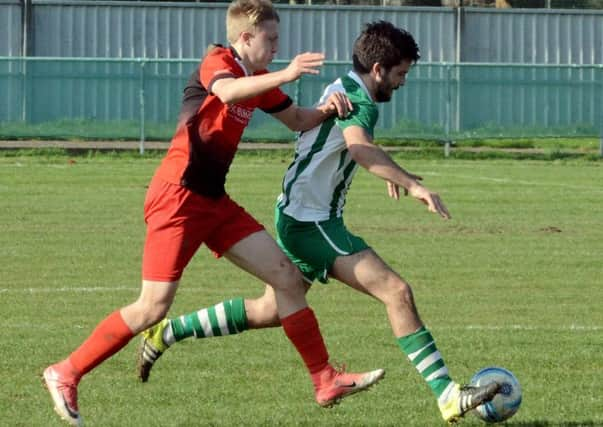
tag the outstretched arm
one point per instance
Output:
(298, 118)
(231, 90)
(379, 163)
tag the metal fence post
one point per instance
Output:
(141, 100)
(297, 91)
(26, 51)
(448, 111)
(24, 88)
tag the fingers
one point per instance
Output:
(309, 62)
(437, 206)
(340, 103)
(432, 200)
(393, 190)
(311, 56)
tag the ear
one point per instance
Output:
(377, 71)
(246, 36)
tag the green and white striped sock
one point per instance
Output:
(422, 352)
(225, 318)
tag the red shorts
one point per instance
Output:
(179, 221)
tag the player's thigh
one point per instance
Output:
(177, 224)
(259, 255)
(366, 272)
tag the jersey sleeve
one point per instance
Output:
(217, 66)
(364, 115)
(275, 100)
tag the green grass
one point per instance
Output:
(514, 279)
(581, 139)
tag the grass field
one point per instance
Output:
(514, 279)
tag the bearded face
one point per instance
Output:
(391, 80)
(384, 90)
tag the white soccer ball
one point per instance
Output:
(508, 399)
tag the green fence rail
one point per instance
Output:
(139, 99)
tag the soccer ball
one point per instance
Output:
(508, 399)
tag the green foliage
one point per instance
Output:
(514, 279)
(558, 4)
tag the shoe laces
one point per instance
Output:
(339, 373)
(338, 367)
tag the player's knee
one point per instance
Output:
(151, 312)
(400, 294)
(287, 276)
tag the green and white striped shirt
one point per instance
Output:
(317, 181)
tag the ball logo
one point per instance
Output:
(506, 389)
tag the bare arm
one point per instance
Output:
(379, 163)
(231, 90)
(298, 118)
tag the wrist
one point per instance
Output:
(413, 186)
(324, 110)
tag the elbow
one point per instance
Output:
(362, 155)
(297, 124)
(225, 99)
(356, 152)
(226, 96)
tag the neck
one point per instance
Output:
(239, 48)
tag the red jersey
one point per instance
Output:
(205, 142)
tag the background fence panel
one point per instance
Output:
(11, 28)
(515, 100)
(127, 98)
(183, 30)
(528, 36)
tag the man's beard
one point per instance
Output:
(383, 94)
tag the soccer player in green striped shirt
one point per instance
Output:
(311, 230)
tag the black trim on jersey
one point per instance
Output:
(204, 174)
(280, 107)
(192, 97)
(234, 52)
(201, 171)
(218, 77)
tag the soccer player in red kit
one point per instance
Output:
(186, 205)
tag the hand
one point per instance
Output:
(304, 63)
(432, 200)
(393, 190)
(337, 102)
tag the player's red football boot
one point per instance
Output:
(63, 390)
(332, 385)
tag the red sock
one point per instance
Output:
(110, 336)
(302, 329)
